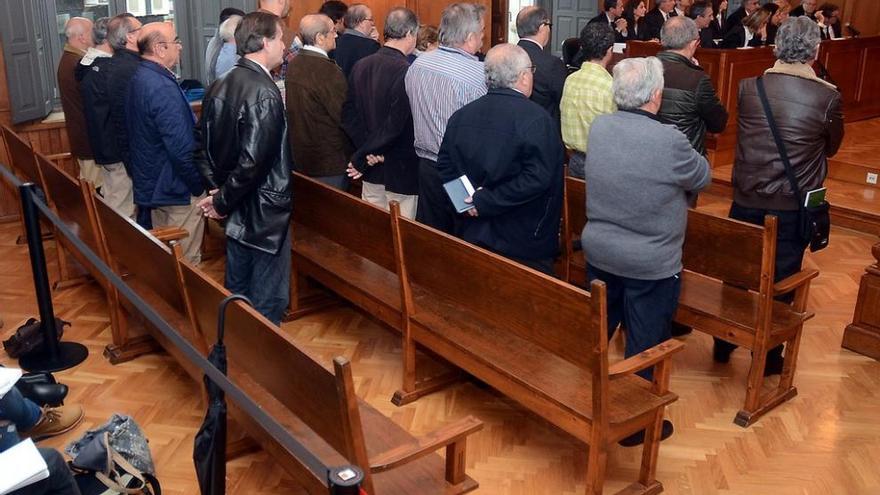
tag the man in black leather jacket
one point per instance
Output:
(247, 166)
(689, 100)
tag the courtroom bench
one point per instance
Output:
(537, 340)
(727, 291)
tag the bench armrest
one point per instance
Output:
(168, 234)
(442, 437)
(795, 281)
(59, 156)
(644, 359)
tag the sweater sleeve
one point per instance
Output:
(690, 170)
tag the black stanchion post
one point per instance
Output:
(345, 480)
(55, 355)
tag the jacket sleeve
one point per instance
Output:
(541, 161)
(398, 118)
(175, 122)
(690, 170)
(711, 110)
(352, 123)
(261, 137)
(448, 167)
(558, 74)
(335, 93)
(834, 126)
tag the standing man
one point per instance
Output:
(638, 161)
(613, 17)
(216, 44)
(317, 89)
(123, 37)
(587, 93)
(78, 31)
(378, 119)
(509, 149)
(658, 16)
(438, 83)
(247, 167)
(808, 114)
(160, 122)
(689, 100)
(355, 43)
(533, 27)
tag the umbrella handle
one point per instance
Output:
(221, 317)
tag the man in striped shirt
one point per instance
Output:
(438, 83)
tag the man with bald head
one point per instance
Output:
(320, 147)
(167, 183)
(78, 31)
(281, 8)
(508, 147)
(355, 43)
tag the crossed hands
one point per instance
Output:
(207, 206)
(371, 160)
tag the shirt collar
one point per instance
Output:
(679, 11)
(639, 111)
(315, 49)
(533, 41)
(355, 32)
(459, 51)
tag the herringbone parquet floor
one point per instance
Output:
(825, 441)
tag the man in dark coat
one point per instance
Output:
(655, 19)
(246, 165)
(612, 15)
(702, 14)
(378, 119)
(355, 43)
(509, 149)
(162, 141)
(533, 27)
(316, 90)
(736, 17)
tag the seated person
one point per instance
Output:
(752, 32)
(778, 15)
(634, 13)
(703, 15)
(828, 18)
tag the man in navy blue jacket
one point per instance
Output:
(508, 146)
(162, 142)
(355, 43)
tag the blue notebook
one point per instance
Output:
(457, 190)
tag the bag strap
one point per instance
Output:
(783, 153)
(125, 468)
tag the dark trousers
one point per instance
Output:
(59, 482)
(340, 182)
(261, 277)
(435, 208)
(645, 307)
(543, 265)
(789, 252)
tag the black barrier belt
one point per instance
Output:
(278, 432)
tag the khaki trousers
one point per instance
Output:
(117, 189)
(189, 218)
(376, 194)
(90, 171)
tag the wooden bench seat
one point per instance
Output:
(727, 291)
(539, 341)
(320, 408)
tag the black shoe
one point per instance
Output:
(679, 330)
(37, 377)
(721, 352)
(638, 437)
(43, 394)
(774, 363)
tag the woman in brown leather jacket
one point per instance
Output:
(808, 114)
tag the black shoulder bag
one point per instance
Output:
(814, 224)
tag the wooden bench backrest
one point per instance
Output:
(133, 250)
(557, 316)
(65, 196)
(22, 157)
(575, 206)
(729, 250)
(324, 401)
(344, 219)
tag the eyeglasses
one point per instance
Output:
(532, 68)
(166, 43)
(370, 19)
(548, 24)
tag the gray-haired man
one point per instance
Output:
(438, 83)
(637, 161)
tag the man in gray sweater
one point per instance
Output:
(638, 172)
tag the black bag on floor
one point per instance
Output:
(29, 338)
(100, 470)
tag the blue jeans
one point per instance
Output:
(23, 414)
(645, 307)
(261, 277)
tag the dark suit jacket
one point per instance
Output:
(636, 31)
(618, 38)
(735, 19)
(377, 117)
(654, 21)
(507, 145)
(736, 38)
(550, 74)
(350, 48)
(707, 39)
(835, 29)
(316, 90)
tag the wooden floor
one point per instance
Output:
(825, 441)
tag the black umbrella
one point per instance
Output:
(209, 451)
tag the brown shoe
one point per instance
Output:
(55, 421)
